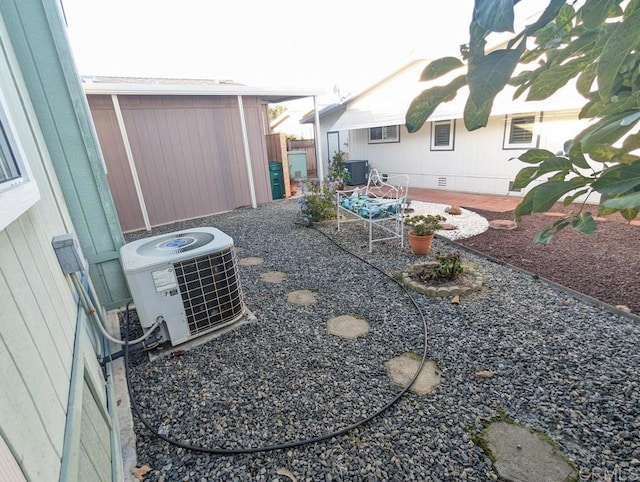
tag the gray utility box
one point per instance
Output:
(358, 172)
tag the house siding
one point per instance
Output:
(39, 315)
(188, 154)
(478, 162)
(44, 57)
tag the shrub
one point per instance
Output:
(448, 267)
(338, 168)
(318, 201)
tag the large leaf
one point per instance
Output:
(524, 177)
(551, 164)
(423, 106)
(606, 131)
(439, 67)
(630, 201)
(607, 153)
(603, 152)
(586, 78)
(476, 117)
(546, 235)
(542, 198)
(550, 13)
(618, 179)
(595, 11)
(488, 75)
(552, 79)
(630, 214)
(576, 156)
(623, 40)
(584, 223)
(535, 156)
(631, 143)
(494, 15)
(569, 199)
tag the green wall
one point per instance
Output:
(39, 39)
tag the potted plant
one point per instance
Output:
(424, 226)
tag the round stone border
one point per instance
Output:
(442, 291)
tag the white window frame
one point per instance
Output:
(450, 145)
(511, 123)
(19, 194)
(386, 138)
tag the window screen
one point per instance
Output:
(521, 130)
(383, 134)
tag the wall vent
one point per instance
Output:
(442, 182)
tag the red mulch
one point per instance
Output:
(604, 265)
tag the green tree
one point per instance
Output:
(276, 110)
(598, 44)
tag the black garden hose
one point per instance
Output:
(294, 443)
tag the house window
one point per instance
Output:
(18, 191)
(379, 135)
(442, 135)
(521, 131)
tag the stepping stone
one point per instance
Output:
(503, 224)
(522, 455)
(302, 297)
(448, 227)
(273, 277)
(250, 261)
(346, 326)
(401, 368)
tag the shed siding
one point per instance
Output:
(118, 172)
(188, 153)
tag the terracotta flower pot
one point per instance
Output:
(420, 244)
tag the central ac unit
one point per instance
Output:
(189, 278)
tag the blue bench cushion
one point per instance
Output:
(370, 207)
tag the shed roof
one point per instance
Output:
(164, 86)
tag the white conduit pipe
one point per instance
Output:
(92, 313)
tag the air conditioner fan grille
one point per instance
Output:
(210, 290)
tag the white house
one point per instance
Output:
(443, 154)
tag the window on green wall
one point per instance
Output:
(9, 171)
(18, 191)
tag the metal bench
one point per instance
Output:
(380, 204)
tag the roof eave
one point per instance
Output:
(270, 95)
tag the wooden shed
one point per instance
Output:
(181, 149)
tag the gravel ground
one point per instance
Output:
(562, 366)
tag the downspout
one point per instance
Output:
(319, 161)
(247, 154)
(132, 164)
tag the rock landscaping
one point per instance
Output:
(519, 348)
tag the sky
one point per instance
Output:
(319, 44)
